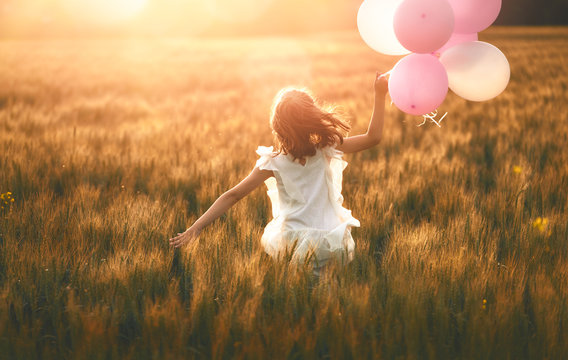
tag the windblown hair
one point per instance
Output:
(300, 125)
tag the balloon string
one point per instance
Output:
(388, 73)
(432, 117)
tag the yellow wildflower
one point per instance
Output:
(517, 169)
(6, 200)
(541, 224)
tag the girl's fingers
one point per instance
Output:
(179, 240)
(175, 240)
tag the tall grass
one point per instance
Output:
(109, 147)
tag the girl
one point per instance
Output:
(304, 178)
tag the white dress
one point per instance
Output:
(309, 221)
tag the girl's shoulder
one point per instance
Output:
(267, 156)
(331, 151)
(266, 151)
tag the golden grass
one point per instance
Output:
(109, 147)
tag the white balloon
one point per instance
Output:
(375, 24)
(477, 71)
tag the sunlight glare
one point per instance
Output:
(188, 17)
(238, 11)
(103, 12)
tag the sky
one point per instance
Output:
(76, 18)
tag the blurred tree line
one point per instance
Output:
(533, 12)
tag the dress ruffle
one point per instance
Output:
(265, 163)
(334, 178)
(317, 244)
(266, 154)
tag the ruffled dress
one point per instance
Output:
(309, 222)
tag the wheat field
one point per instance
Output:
(108, 147)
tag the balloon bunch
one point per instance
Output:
(441, 37)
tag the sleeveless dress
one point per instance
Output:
(309, 222)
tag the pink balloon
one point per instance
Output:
(473, 16)
(418, 84)
(457, 39)
(422, 26)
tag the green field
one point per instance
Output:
(110, 147)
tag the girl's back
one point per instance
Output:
(308, 216)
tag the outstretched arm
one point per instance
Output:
(374, 133)
(222, 204)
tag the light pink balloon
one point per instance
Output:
(457, 39)
(472, 16)
(422, 26)
(418, 84)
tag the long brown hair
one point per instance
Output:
(300, 125)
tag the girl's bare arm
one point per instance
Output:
(374, 132)
(222, 204)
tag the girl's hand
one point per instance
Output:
(187, 237)
(381, 84)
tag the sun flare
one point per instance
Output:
(104, 11)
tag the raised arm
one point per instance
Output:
(374, 132)
(222, 204)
